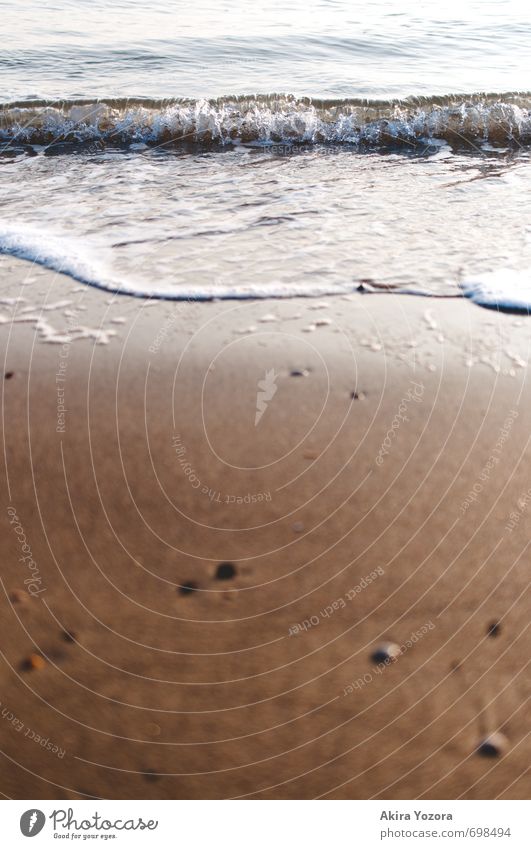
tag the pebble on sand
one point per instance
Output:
(69, 636)
(18, 596)
(35, 661)
(386, 652)
(225, 571)
(493, 629)
(493, 746)
(187, 588)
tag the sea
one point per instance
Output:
(240, 150)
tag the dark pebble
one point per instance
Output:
(492, 746)
(494, 629)
(8, 375)
(186, 589)
(18, 596)
(225, 572)
(385, 653)
(33, 662)
(69, 636)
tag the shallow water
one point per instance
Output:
(319, 48)
(380, 161)
(249, 221)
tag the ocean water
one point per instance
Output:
(224, 149)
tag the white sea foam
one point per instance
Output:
(505, 290)
(68, 256)
(272, 119)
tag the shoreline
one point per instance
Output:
(377, 417)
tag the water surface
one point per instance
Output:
(223, 149)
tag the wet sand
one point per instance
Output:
(331, 601)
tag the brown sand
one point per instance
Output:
(158, 693)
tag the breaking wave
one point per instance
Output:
(271, 119)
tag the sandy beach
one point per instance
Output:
(263, 549)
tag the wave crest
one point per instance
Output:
(271, 119)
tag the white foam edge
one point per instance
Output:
(69, 257)
(505, 289)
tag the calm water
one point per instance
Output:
(328, 48)
(142, 147)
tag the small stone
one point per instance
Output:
(35, 661)
(69, 636)
(18, 596)
(153, 729)
(493, 629)
(357, 396)
(386, 652)
(298, 527)
(225, 572)
(493, 746)
(8, 375)
(187, 588)
(303, 372)
(310, 454)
